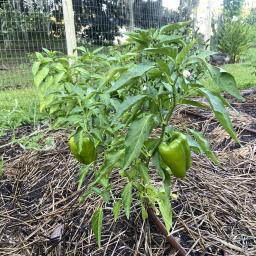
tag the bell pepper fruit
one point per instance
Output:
(176, 154)
(87, 153)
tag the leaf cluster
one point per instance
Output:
(119, 96)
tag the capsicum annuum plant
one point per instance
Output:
(118, 100)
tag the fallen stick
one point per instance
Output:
(161, 228)
(248, 92)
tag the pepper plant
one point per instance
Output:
(120, 103)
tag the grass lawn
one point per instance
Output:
(19, 76)
(18, 97)
(17, 107)
(243, 71)
(243, 74)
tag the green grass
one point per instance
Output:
(249, 56)
(17, 107)
(19, 76)
(242, 73)
(18, 98)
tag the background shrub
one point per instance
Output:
(234, 38)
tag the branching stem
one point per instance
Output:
(168, 116)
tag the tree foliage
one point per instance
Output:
(232, 8)
(98, 21)
(17, 21)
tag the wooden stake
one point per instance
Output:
(161, 228)
(70, 31)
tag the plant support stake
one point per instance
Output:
(70, 31)
(163, 231)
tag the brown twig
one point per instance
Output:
(163, 231)
(248, 92)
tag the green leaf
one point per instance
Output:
(165, 209)
(227, 83)
(41, 75)
(164, 67)
(39, 56)
(173, 26)
(127, 199)
(167, 182)
(134, 73)
(112, 160)
(151, 143)
(143, 172)
(111, 74)
(205, 147)
(168, 87)
(105, 194)
(97, 219)
(220, 112)
(194, 103)
(165, 50)
(36, 67)
(59, 77)
(138, 133)
(83, 173)
(79, 138)
(169, 38)
(144, 212)
(194, 146)
(75, 90)
(205, 54)
(116, 209)
(98, 50)
(128, 103)
(185, 50)
(156, 162)
(48, 82)
(59, 67)
(222, 79)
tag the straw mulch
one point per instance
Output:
(214, 208)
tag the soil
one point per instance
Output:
(213, 209)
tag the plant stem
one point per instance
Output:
(168, 116)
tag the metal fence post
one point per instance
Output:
(69, 22)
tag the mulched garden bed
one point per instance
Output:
(214, 208)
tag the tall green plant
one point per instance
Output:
(119, 100)
(234, 38)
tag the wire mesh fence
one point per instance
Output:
(27, 26)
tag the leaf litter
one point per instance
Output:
(214, 208)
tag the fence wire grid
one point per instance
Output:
(27, 26)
